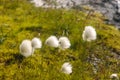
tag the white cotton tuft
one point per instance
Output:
(114, 76)
(26, 48)
(64, 43)
(36, 43)
(66, 68)
(89, 33)
(52, 41)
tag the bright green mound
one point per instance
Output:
(20, 20)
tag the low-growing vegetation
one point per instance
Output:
(20, 20)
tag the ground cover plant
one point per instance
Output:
(20, 20)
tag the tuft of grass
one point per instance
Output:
(20, 20)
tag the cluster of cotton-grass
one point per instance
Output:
(62, 42)
(27, 47)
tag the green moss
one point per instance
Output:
(20, 20)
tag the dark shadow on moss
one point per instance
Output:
(72, 57)
(32, 28)
(17, 58)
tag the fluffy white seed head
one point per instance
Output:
(36, 43)
(114, 76)
(52, 41)
(26, 48)
(64, 43)
(89, 33)
(66, 68)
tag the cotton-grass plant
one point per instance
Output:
(36, 43)
(64, 43)
(26, 48)
(89, 34)
(114, 76)
(52, 41)
(66, 68)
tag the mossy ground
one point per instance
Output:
(20, 20)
